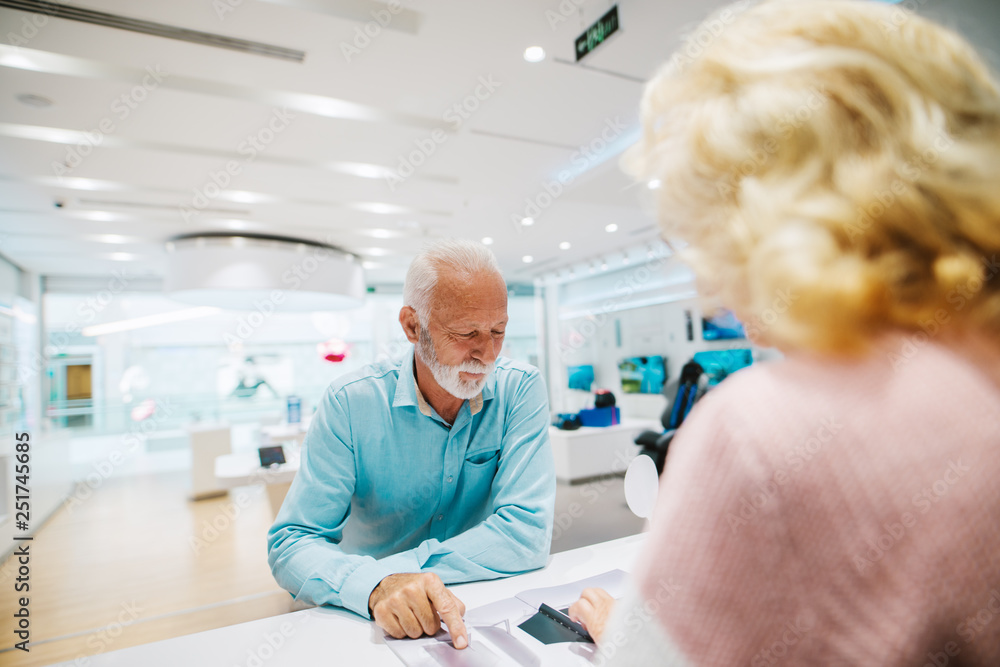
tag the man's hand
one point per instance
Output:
(593, 609)
(414, 604)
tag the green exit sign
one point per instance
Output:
(596, 34)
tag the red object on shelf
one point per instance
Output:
(333, 350)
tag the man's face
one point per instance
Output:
(464, 333)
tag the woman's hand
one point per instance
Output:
(593, 609)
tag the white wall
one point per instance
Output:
(637, 311)
(21, 366)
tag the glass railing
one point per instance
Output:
(170, 411)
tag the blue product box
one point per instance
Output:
(600, 416)
(294, 415)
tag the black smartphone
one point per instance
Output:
(271, 456)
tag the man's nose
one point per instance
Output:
(487, 350)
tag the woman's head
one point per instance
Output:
(834, 169)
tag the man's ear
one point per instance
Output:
(411, 323)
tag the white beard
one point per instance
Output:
(448, 376)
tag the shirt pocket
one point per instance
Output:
(475, 486)
(482, 457)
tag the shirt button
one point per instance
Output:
(440, 517)
(449, 479)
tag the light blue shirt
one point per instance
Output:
(387, 486)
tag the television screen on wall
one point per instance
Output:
(581, 377)
(722, 325)
(720, 364)
(643, 375)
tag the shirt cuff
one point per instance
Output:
(359, 585)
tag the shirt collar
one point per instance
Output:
(407, 392)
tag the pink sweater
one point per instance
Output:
(816, 512)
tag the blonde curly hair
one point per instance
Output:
(834, 161)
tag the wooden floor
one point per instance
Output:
(137, 562)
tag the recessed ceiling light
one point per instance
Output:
(527, 222)
(534, 54)
(35, 101)
(245, 197)
(98, 216)
(233, 224)
(527, 259)
(361, 170)
(379, 208)
(653, 184)
(611, 228)
(487, 240)
(112, 238)
(89, 184)
(381, 233)
(123, 256)
(565, 245)
(373, 252)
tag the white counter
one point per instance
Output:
(333, 636)
(592, 451)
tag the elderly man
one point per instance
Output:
(432, 470)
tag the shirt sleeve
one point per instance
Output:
(517, 535)
(303, 544)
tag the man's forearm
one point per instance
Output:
(317, 571)
(491, 550)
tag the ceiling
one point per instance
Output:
(141, 129)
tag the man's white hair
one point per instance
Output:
(459, 256)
